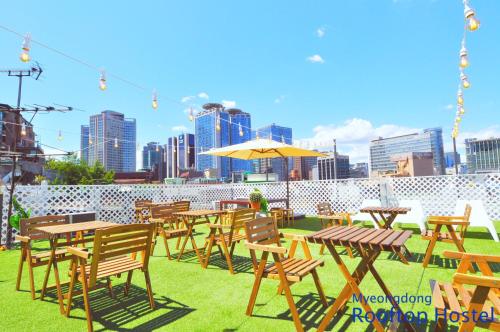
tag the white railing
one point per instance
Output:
(438, 195)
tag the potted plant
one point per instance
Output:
(20, 213)
(255, 199)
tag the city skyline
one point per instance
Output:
(360, 84)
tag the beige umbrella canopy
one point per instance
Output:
(263, 148)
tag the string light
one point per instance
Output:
(116, 142)
(461, 111)
(470, 16)
(240, 129)
(157, 148)
(23, 130)
(154, 103)
(465, 80)
(282, 139)
(90, 139)
(257, 134)
(460, 96)
(102, 81)
(25, 56)
(60, 136)
(217, 125)
(464, 62)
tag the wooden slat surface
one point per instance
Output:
(385, 239)
(199, 213)
(378, 209)
(69, 228)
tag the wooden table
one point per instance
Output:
(192, 218)
(54, 233)
(386, 214)
(370, 243)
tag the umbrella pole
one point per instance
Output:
(287, 184)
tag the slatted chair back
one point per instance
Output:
(324, 209)
(163, 211)
(182, 206)
(117, 241)
(27, 226)
(239, 217)
(463, 228)
(143, 202)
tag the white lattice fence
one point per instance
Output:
(115, 202)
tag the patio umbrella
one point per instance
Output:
(261, 149)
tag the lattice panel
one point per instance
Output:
(116, 202)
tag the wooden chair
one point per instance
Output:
(328, 218)
(28, 234)
(166, 225)
(262, 234)
(235, 225)
(142, 210)
(484, 295)
(452, 224)
(108, 259)
(278, 214)
(289, 216)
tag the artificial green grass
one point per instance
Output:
(189, 298)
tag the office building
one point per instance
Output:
(413, 164)
(483, 155)
(358, 170)
(450, 157)
(186, 153)
(275, 165)
(303, 166)
(84, 143)
(430, 140)
(172, 169)
(153, 160)
(239, 132)
(327, 166)
(112, 141)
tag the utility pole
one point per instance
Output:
(335, 159)
(455, 159)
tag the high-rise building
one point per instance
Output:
(275, 165)
(84, 143)
(172, 170)
(186, 153)
(303, 166)
(358, 170)
(327, 166)
(483, 155)
(430, 140)
(113, 140)
(152, 159)
(450, 157)
(217, 127)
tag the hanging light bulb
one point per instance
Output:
(465, 80)
(460, 96)
(464, 61)
(25, 55)
(458, 119)
(154, 103)
(90, 139)
(217, 124)
(102, 81)
(240, 129)
(461, 111)
(282, 139)
(257, 134)
(116, 142)
(191, 115)
(23, 129)
(60, 136)
(157, 148)
(472, 22)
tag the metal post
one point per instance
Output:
(334, 159)
(287, 184)
(455, 161)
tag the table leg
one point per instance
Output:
(389, 220)
(186, 238)
(377, 222)
(432, 243)
(53, 247)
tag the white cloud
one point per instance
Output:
(353, 137)
(229, 103)
(449, 107)
(180, 128)
(279, 100)
(187, 99)
(320, 32)
(316, 58)
(203, 95)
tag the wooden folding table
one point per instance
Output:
(192, 218)
(386, 214)
(370, 243)
(54, 233)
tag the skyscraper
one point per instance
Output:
(430, 140)
(275, 165)
(172, 171)
(186, 154)
(152, 159)
(239, 129)
(327, 166)
(212, 131)
(450, 158)
(84, 143)
(113, 140)
(483, 155)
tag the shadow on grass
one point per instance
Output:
(241, 264)
(113, 313)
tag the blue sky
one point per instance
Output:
(377, 68)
